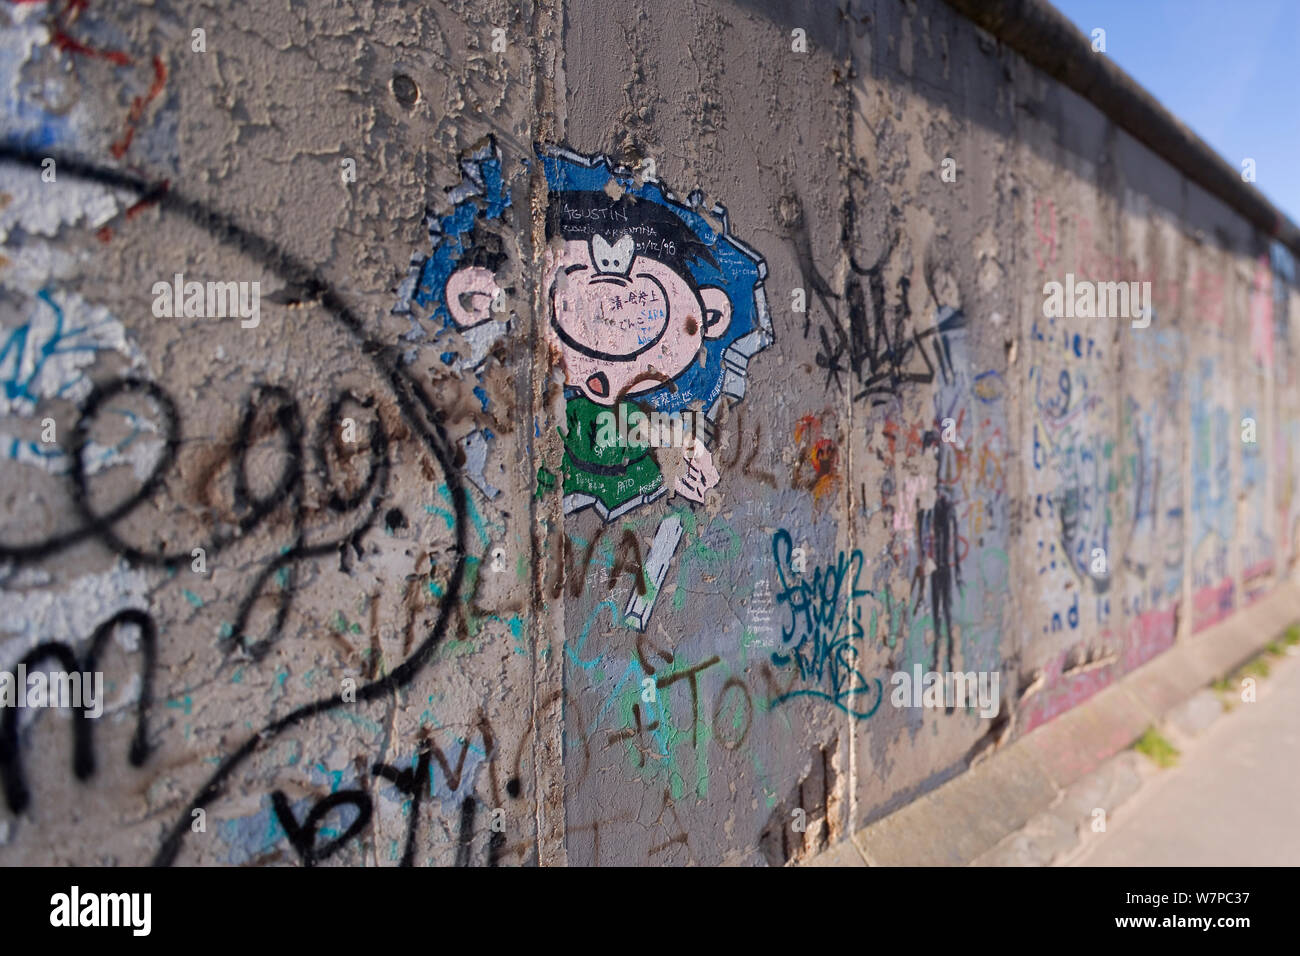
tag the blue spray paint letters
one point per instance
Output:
(824, 634)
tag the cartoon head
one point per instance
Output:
(625, 309)
(646, 295)
(469, 291)
(455, 284)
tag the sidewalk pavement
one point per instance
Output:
(1232, 798)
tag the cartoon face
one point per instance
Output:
(625, 321)
(468, 294)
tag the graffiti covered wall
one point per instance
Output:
(498, 434)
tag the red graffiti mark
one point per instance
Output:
(148, 199)
(105, 234)
(823, 457)
(915, 441)
(138, 105)
(63, 40)
(890, 431)
(821, 453)
(808, 425)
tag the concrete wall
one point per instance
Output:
(342, 616)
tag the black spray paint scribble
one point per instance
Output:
(303, 284)
(877, 351)
(17, 795)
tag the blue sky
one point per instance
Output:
(1229, 69)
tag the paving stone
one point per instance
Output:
(1196, 714)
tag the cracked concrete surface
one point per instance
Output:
(367, 608)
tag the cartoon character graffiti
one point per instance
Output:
(454, 287)
(652, 306)
(654, 311)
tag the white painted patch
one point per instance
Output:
(70, 614)
(41, 209)
(662, 549)
(47, 356)
(85, 331)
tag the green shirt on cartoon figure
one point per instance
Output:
(615, 477)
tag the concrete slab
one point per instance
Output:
(1030, 804)
(964, 818)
